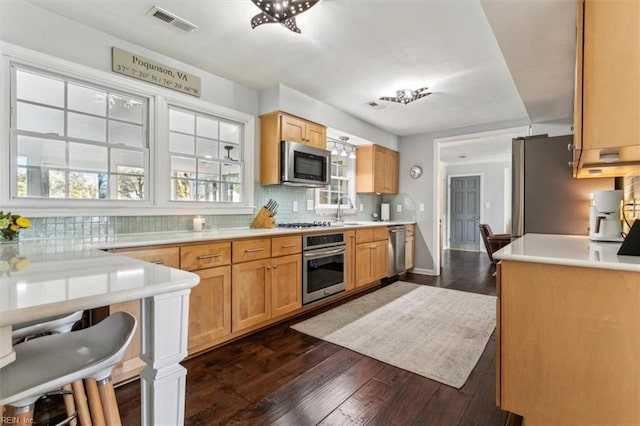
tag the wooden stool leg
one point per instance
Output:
(109, 402)
(95, 406)
(81, 403)
(69, 405)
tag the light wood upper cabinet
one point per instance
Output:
(376, 170)
(279, 126)
(607, 104)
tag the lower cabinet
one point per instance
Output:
(286, 284)
(409, 244)
(210, 309)
(371, 262)
(350, 260)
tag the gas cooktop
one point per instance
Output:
(314, 224)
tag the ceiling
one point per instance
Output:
(485, 61)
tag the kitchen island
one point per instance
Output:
(568, 332)
(45, 278)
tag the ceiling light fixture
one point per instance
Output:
(407, 95)
(334, 151)
(283, 12)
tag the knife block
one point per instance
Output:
(263, 219)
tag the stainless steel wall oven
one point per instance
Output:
(323, 269)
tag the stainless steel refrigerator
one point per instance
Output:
(546, 199)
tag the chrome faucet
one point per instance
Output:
(339, 214)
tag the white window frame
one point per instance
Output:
(159, 169)
(351, 193)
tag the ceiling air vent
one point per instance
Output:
(170, 18)
(375, 105)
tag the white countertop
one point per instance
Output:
(45, 278)
(569, 250)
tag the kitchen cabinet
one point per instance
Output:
(409, 244)
(209, 301)
(350, 260)
(566, 343)
(376, 170)
(131, 365)
(607, 101)
(265, 288)
(278, 126)
(371, 255)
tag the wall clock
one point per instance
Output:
(415, 172)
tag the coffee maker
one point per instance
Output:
(604, 216)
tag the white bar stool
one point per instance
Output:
(45, 364)
(59, 324)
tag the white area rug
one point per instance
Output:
(430, 331)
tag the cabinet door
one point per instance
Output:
(286, 284)
(292, 129)
(379, 260)
(408, 252)
(350, 260)
(210, 309)
(379, 170)
(363, 264)
(391, 172)
(316, 135)
(610, 70)
(250, 294)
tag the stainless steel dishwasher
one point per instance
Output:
(396, 250)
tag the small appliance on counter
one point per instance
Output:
(604, 216)
(384, 212)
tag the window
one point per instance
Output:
(206, 157)
(342, 178)
(75, 140)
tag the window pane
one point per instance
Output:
(87, 100)
(208, 170)
(206, 148)
(229, 132)
(40, 119)
(87, 157)
(231, 173)
(123, 161)
(208, 191)
(127, 109)
(84, 185)
(41, 152)
(55, 182)
(230, 192)
(181, 189)
(41, 182)
(181, 144)
(229, 152)
(86, 127)
(128, 134)
(207, 127)
(181, 122)
(130, 187)
(183, 167)
(41, 89)
(323, 196)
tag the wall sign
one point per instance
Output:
(139, 67)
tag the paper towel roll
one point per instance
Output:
(384, 211)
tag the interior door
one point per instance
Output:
(464, 213)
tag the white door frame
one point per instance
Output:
(447, 211)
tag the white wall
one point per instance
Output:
(492, 186)
(553, 128)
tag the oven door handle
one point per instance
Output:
(324, 253)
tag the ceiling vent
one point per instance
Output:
(375, 105)
(170, 18)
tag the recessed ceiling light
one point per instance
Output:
(462, 156)
(595, 172)
(609, 157)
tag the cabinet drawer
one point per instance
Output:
(380, 233)
(282, 246)
(410, 230)
(204, 256)
(364, 235)
(246, 250)
(168, 256)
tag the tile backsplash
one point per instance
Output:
(101, 226)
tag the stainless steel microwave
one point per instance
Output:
(303, 165)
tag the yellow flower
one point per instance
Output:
(14, 228)
(22, 263)
(23, 222)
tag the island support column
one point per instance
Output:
(165, 321)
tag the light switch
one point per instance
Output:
(421, 207)
(487, 205)
(309, 204)
(295, 206)
(361, 207)
(399, 208)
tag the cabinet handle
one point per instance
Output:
(288, 246)
(268, 268)
(208, 256)
(374, 248)
(275, 266)
(254, 250)
(158, 262)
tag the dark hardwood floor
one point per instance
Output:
(280, 376)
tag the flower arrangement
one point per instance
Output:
(10, 226)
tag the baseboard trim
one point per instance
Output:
(421, 271)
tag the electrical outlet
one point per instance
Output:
(399, 208)
(361, 207)
(421, 207)
(487, 205)
(295, 206)
(309, 204)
